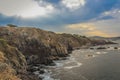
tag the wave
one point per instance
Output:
(70, 67)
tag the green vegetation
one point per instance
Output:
(3, 42)
(11, 25)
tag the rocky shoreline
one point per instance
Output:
(43, 72)
(22, 48)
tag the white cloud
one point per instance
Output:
(24, 8)
(114, 13)
(73, 4)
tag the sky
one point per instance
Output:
(84, 17)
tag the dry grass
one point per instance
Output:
(9, 57)
(7, 73)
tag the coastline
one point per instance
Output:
(40, 47)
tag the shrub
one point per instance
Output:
(11, 25)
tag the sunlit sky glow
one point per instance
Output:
(85, 17)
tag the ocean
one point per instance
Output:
(87, 64)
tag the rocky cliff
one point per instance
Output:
(11, 62)
(22, 46)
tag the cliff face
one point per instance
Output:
(41, 46)
(11, 62)
(20, 46)
(74, 41)
(35, 44)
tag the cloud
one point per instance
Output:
(110, 26)
(54, 9)
(73, 4)
(114, 13)
(88, 29)
(82, 26)
(98, 33)
(24, 8)
(80, 15)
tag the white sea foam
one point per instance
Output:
(94, 55)
(70, 67)
(98, 52)
(46, 75)
(101, 53)
(59, 64)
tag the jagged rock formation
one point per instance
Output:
(37, 46)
